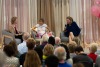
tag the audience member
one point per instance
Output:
(68, 59)
(71, 47)
(82, 57)
(32, 59)
(22, 48)
(14, 45)
(93, 49)
(30, 43)
(40, 52)
(52, 61)
(10, 61)
(57, 42)
(60, 52)
(47, 51)
(44, 41)
(97, 63)
(51, 40)
(78, 65)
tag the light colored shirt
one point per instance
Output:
(11, 62)
(22, 48)
(72, 55)
(41, 29)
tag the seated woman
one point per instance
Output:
(41, 28)
(13, 28)
(71, 28)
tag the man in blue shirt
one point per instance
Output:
(22, 48)
(60, 53)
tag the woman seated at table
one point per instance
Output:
(71, 28)
(41, 28)
(13, 28)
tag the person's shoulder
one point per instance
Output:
(45, 25)
(15, 58)
(74, 22)
(37, 25)
(67, 64)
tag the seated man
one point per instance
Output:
(22, 48)
(71, 28)
(81, 57)
(41, 28)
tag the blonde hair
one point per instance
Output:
(71, 47)
(45, 38)
(70, 18)
(93, 47)
(13, 19)
(48, 50)
(32, 59)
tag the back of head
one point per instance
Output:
(78, 65)
(67, 50)
(45, 38)
(93, 47)
(39, 51)
(30, 43)
(52, 61)
(78, 49)
(57, 40)
(26, 35)
(32, 59)
(9, 51)
(51, 40)
(48, 50)
(72, 47)
(60, 53)
(14, 45)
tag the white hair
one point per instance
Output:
(26, 35)
(60, 53)
(57, 40)
(45, 38)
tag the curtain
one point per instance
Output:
(54, 12)
(0, 21)
(45, 11)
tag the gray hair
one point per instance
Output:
(60, 53)
(26, 35)
(45, 38)
(57, 40)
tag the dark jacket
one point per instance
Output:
(73, 27)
